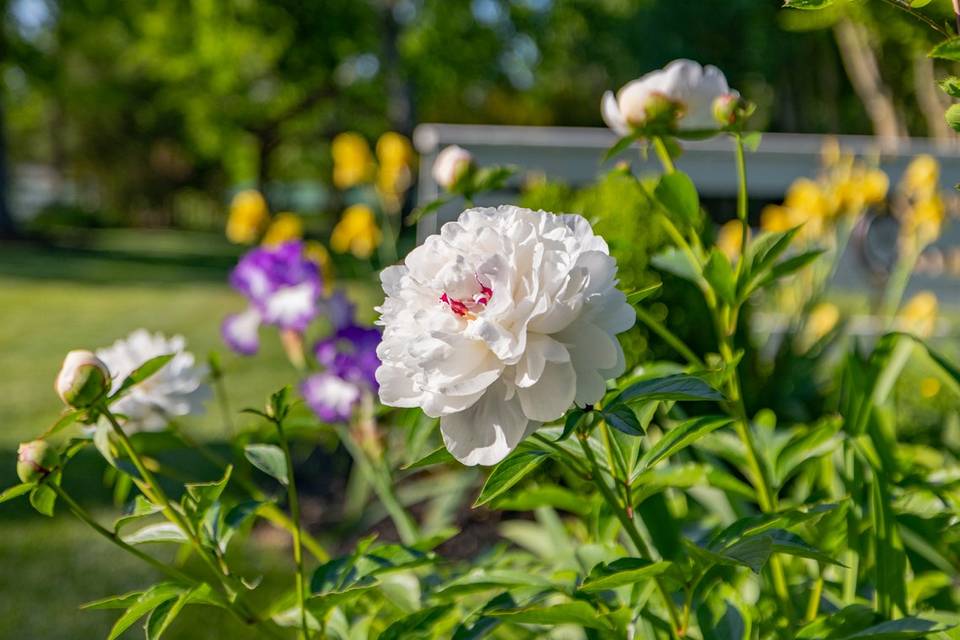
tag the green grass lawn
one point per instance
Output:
(56, 299)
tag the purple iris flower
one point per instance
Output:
(283, 289)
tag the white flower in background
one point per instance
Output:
(450, 165)
(683, 88)
(498, 324)
(177, 389)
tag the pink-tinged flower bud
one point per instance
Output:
(451, 164)
(642, 108)
(730, 109)
(83, 379)
(36, 460)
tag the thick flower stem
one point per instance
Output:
(294, 502)
(742, 198)
(631, 528)
(663, 154)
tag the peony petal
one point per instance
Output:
(552, 395)
(610, 111)
(540, 350)
(488, 431)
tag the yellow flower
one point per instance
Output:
(248, 214)
(730, 239)
(285, 227)
(876, 183)
(924, 220)
(394, 150)
(315, 252)
(775, 218)
(357, 232)
(830, 152)
(919, 314)
(822, 320)
(922, 176)
(806, 197)
(929, 387)
(352, 160)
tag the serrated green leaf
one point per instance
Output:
(509, 472)
(620, 572)
(270, 459)
(678, 195)
(680, 437)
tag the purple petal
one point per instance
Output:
(330, 397)
(241, 331)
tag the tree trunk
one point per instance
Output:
(860, 63)
(930, 99)
(8, 227)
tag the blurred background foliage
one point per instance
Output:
(153, 113)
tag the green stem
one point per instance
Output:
(813, 604)
(268, 510)
(897, 286)
(631, 528)
(663, 154)
(668, 336)
(571, 461)
(223, 401)
(294, 502)
(742, 199)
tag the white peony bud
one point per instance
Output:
(35, 460)
(83, 379)
(450, 165)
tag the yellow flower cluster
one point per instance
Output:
(248, 215)
(357, 232)
(922, 212)
(845, 188)
(919, 314)
(391, 172)
(352, 161)
(395, 158)
(730, 239)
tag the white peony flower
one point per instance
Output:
(684, 83)
(450, 164)
(498, 324)
(178, 389)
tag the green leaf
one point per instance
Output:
(635, 297)
(850, 619)
(752, 552)
(577, 612)
(489, 178)
(570, 423)
(152, 597)
(509, 472)
(792, 544)
(439, 455)
(16, 491)
(549, 495)
(952, 116)
(947, 50)
(203, 494)
(163, 615)
(67, 418)
(141, 508)
(415, 624)
(680, 437)
(808, 5)
(619, 146)
(790, 265)
(916, 4)
(43, 498)
(121, 601)
(676, 262)
(677, 193)
(951, 86)
(719, 273)
(675, 387)
(427, 209)
(902, 629)
(160, 532)
(143, 372)
(752, 140)
(622, 418)
(620, 572)
(723, 621)
(764, 251)
(270, 459)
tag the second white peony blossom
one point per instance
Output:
(498, 324)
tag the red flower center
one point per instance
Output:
(462, 307)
